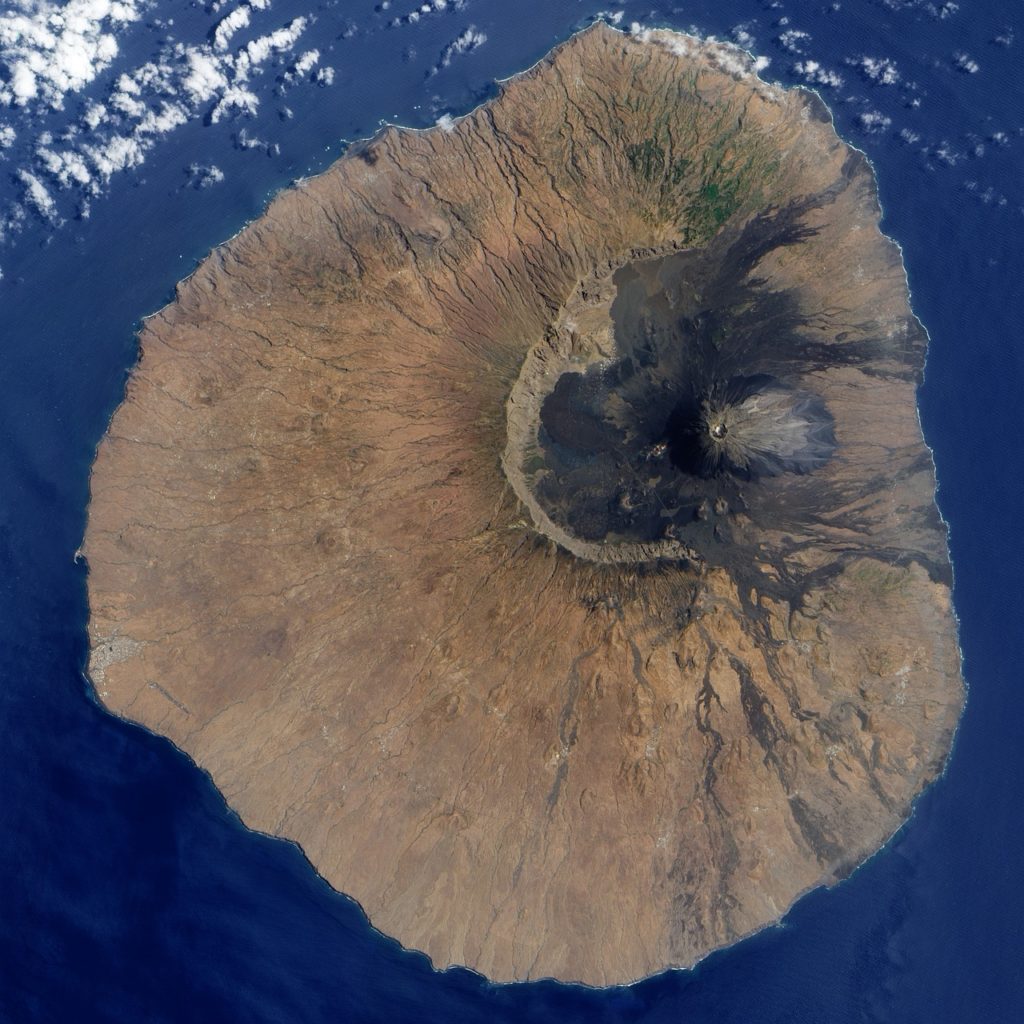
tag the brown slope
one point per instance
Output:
(320, 565)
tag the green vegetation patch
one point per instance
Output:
(649, 162)
(726, 167)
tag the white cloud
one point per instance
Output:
(229, 25)
(424, 10)
(163, 120)
(794, 40)
(235, 100)
(945, 153)
(48, 50)
(466, 42)
(306, 62)
(257, 51)
(13, 221)
(879, 70)
(204, 76)
(69, 168)
(246, 141)
(37, 197)
(743, 36)
(811, 71)
(95, 114)
(989, 196)
(964, 62)
(724, 55)
(243, 140)
(118, 153)
(677, 44)
(873, 121)
(200, 176)
(125, 103)
(303, 65)
(727, 57)
(23, 86)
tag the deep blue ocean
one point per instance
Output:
(129, 891)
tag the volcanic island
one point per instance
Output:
(530, 518)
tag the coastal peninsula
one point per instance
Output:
(530, 518)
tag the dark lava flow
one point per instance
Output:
(709, 411)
